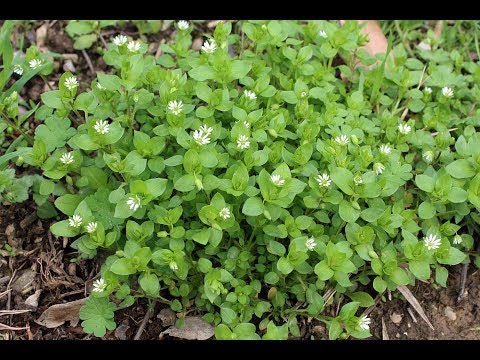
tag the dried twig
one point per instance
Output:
(384, 331)
(13, 312)
(147, 317)
(461, 293)
(409, 309)
(414, 302)
(89, 62)
(6, 327)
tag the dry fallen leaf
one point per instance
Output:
(384, 331)
(32, 300)
(195, 329)
(414, 302)
(121, 331)
(56, 315)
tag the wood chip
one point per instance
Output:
(414, 302)
(32, 300)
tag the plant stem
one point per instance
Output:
(46, 81)
(13, 125)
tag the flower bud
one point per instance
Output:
(373, 254)
(199, 184)
(69, 180)
(273, 132)
(162, 234)
(354, 139)
(20, 161)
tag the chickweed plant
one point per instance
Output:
(254, 181)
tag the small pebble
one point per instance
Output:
(396, 318)
(450, 314)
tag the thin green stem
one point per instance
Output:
(18, 128)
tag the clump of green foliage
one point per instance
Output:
(256, 185)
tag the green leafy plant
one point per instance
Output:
(256, 185)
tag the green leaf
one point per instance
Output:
(453, 257)
(150, 284)
(228, 315)
(123, 266)
(109, 82)
(52, 99)
(343, 178)
(68, 203)
(98, 316)
(426, 210)
(62, 228)
(363, 298)
(399, 276)
(202, 73)
(425, 183)
(253, 207)
(347, 212)
(457, 195)
(420, 268)
(461, 169)
(284, 266)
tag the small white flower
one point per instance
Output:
(176, 107)
(264, 27)
(17, 69)
(100, 87)
(358, 180)
(457, 239)
(67, 158)
(310, 244)
(277, 180)
(364, 322)
(428, 90)
(71, 83)
(447, 92)
(404, 128)
(135, 98)
(385, 149)
(250, 94)
(102, 127)
(323, 180)
(225, 213)
(133, 46)
(120, 40)
(303, 94)
(342, 140)
(428, 156)
(243, 142)
(183, 25)
(378, 168)
(209, 47)
(134, 202)
(75, 221)
(246, 123)
(91, 227)
(202, 135)
(173, 265)
(323, 34)
(432, 242)
(99, 285)
(206, 129)
(35, 63)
